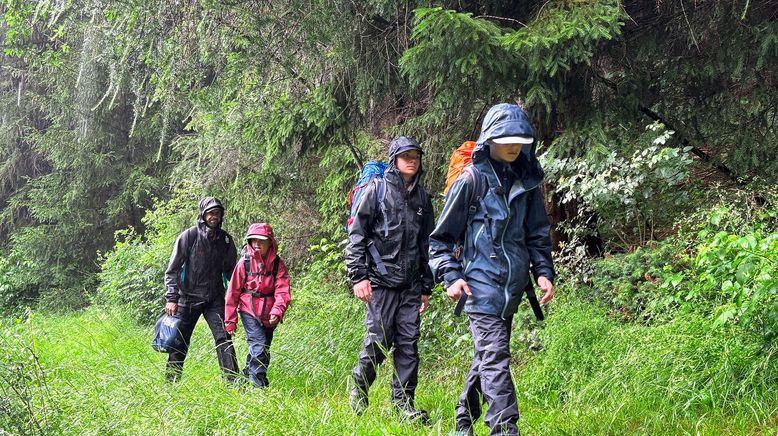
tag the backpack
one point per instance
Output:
(461, 162)
(371, 170)
(460, 158)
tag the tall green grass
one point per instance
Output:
(593, 375)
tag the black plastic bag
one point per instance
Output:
(167, 336)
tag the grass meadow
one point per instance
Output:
(581, 373)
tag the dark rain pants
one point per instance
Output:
(489, 377)
(213, 312)
(392, 321)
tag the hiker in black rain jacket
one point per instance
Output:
(202, 257)
(504, 234)
(387, 262)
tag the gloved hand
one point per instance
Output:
(230, 327)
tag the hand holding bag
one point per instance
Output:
(167, 336)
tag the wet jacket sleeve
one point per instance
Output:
(232, 297)
(427, 225)
(281, 294)
(177, 260)
(449, 231)
(538, 240)
(357, 259)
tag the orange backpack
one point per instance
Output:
(460, 158)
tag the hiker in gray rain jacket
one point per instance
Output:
(202, 257)
(386, 257)
(503, 231)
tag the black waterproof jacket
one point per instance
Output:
(202, 255)
(407, 219)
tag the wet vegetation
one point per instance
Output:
(657, 129)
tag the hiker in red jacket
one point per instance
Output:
(259, 290)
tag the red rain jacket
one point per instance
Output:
(270, 294)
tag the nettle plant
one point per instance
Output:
(630, 192)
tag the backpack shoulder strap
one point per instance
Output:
(247, 265)
(191, 238)
(477, 199)
(478, 193)
(381, 196)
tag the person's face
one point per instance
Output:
(213, 217)
(263, 245)
(408, 163)
(504, 152)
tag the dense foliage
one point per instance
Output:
(273, 106)
(655, 124)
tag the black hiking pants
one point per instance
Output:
(213, 312)
(392, 321)
(489, 377)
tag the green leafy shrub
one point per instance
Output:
(723, 264)
(631, 193)
(17, 288)
(132, 273)
(741, 272)
(327, 267)
(736, 260)
(643, 285)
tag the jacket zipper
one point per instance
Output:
(404, 247)
(502, 245)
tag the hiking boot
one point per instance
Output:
(358, 400)
(412, 414)
(260, 382)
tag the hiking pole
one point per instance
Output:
(461, 304)
(533, 302)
